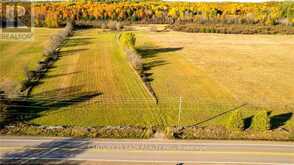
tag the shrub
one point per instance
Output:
(3, 107)
(261, 121)
(195, 132)
(68, 30)
(235, 121)
(118, 26)
(169, 132)
(29, 75)
(111, 25)
(202, 30)
(128, 39)
(135, 59)
(48, 51)
(103, 26)
(28, 81)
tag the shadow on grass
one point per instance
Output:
(148, 66)
(247, 122)
(52, 152)
(151, 52)
(280, 120)
(71, 52)
(276, 121)
(72, 42)
(28, 108)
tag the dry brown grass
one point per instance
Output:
(251, 68)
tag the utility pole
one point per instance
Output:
(180, 109)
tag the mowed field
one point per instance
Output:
(249, 72)
(256, 69)
(92, 83)
(16, 55)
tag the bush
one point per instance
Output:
(29, 75)
(3, 108)
(118, 26)
(235, 121)
(111, 25)
(28, 81)
(195, 132)
(103, 26)
(68, 30)
(261, 121)
(128, 39)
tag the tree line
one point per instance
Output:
(272, 13)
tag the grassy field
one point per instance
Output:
(256, 69)
(93, 84)
(16, 55)
(251, 71)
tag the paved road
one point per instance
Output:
(27, 150)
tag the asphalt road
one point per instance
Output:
(28, 150)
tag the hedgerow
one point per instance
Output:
(220, 132)
(50, 53)
(233, 29)
(93, 132)
(128, 41)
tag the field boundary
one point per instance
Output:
(139, 132)
(152, 94)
